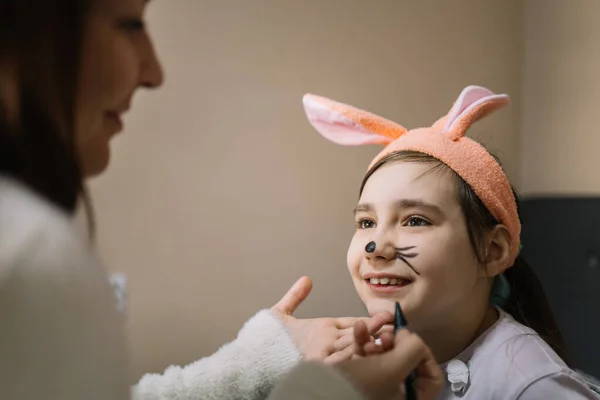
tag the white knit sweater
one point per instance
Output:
(61, 336)
(246, 368)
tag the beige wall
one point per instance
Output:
(220, 194)
(561, 87)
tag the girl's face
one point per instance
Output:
(423, 257)
(117, 59)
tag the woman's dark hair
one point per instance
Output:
(528, 303)
(40, 41)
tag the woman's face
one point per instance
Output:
(117, 59)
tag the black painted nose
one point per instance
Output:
(370, 247)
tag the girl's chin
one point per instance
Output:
(381, 305)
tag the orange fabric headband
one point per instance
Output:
(444, 140)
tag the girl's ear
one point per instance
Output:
(347, 125)
(473, 103)
(497, 251)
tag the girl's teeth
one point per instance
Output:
(385, 281)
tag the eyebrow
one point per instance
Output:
(402, 203)
(417, 203)
(366, 207)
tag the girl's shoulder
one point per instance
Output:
(521, 347)
(512, 360)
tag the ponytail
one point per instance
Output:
(529, 305)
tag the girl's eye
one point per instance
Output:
(366, 224)
(416, 221)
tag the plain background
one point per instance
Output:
(220, 194)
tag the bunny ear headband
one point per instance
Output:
(444, 140)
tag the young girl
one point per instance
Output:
(438, 230)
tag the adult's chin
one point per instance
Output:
(95, 161)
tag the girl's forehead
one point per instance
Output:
(429, 182)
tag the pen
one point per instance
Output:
(400, 323)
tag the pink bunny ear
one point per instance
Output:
(474, 103)
(347, 125)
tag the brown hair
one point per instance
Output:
(40, 41)
(528, 303)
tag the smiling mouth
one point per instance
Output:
(388, 281)
(387, 284)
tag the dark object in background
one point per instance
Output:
(561, 242)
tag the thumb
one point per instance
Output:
(294, 297)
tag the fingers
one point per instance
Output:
(340, 356)
(295, 296)
(361, 338)
(349, 322)
(428, 368)
(345, 346)
(430, 379)
(344, 341)
(372, 348)
(364, 344)
(384, 328)
(387, 341)
(409, 352)
(382, 376)
(360, 341)
(378, 320)
(374, 323)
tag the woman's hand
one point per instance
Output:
(380, 370)
(364, 343)
(324, 339)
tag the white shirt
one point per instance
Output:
(511, 362)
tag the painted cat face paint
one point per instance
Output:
(423, 257)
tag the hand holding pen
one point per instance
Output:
(380, 369)
(400, 323)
